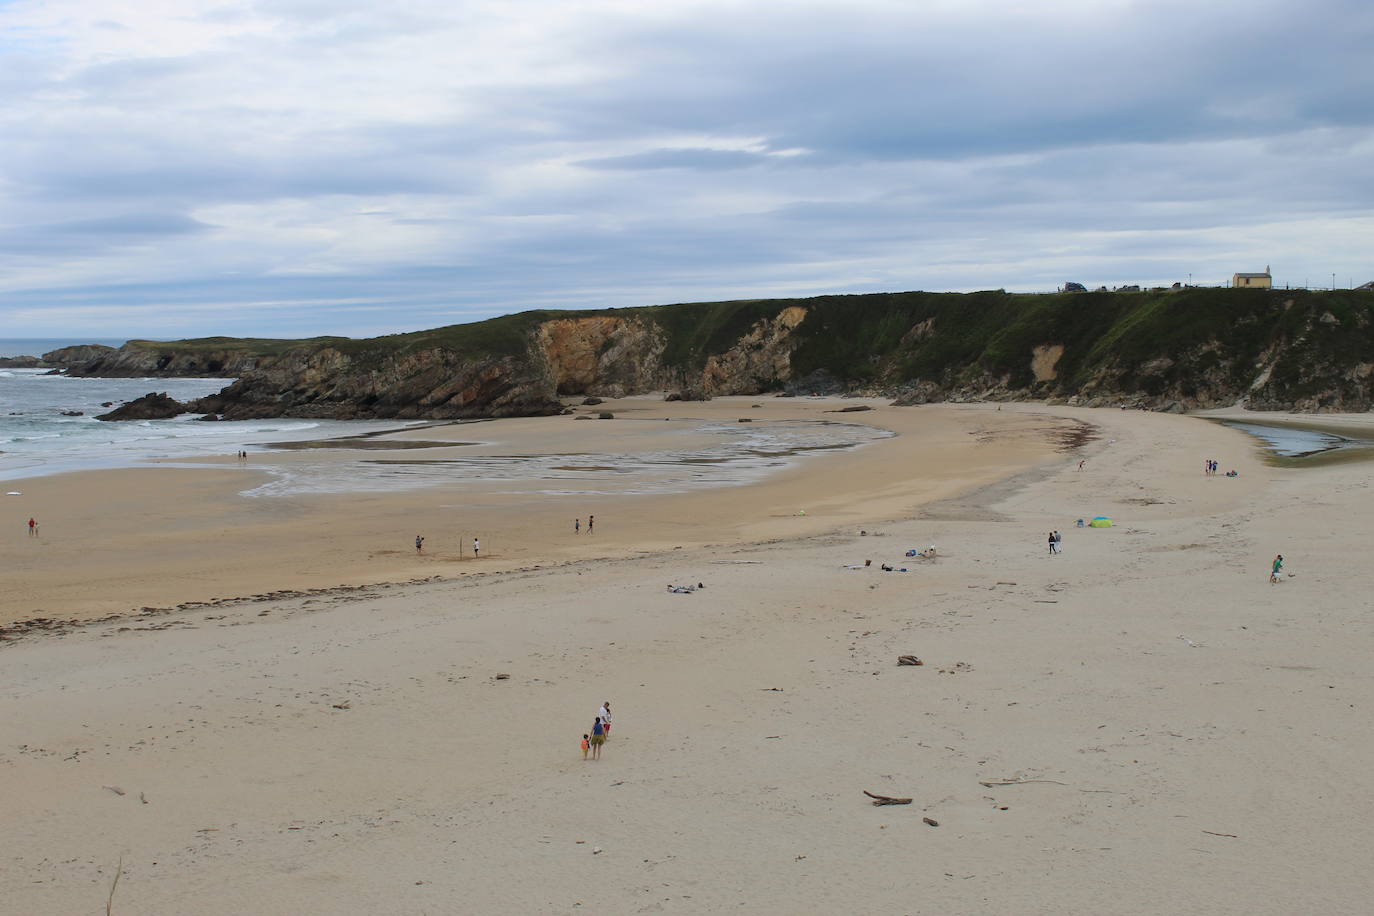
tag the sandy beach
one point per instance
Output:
(1142, 724)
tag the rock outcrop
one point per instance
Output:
(24, 362)
(70, 358)
(210, 358)
(152, 406)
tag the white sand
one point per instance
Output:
(1192, 738)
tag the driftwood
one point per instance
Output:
(1017, 782)
(931, 821)
(886, 799)
(909, 660)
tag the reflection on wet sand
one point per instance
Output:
(734, 455)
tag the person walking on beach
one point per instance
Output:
(577, 526)
(1278, 568)
(597, 739)
(1080, 464)
(33, 528)
(1050, 539)
(603, 715)
(476, 548)
(586, 745)
(591, 522)
(419, 544)
(1058, 541)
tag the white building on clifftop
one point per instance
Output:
(1257, 281)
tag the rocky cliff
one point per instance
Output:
(210, 357)
(1171, 350)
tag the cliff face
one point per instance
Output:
(428, 384)
(603, 355)
(137, 359)
(1164, 350)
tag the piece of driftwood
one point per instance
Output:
(1214, 833)
(1017, 782)
(909, 660)
(115, 789)
(931, 821)
(886, 799)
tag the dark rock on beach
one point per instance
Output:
(152, 406)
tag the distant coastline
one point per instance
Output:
(37, 346)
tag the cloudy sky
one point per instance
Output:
(296, 167)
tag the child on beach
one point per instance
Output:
(586, 745)
(1278, 567)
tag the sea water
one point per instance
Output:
(48, 426)
(39, 435)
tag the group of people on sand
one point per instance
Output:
(420, 545)
(591, 524)
(1210, 467)
(1056, 541)
(601, 730)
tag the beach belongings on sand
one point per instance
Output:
(886, 799)
(909, 660)
(1100, 522)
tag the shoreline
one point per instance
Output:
(978, 500)
(214, 521)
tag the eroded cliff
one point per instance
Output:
(1169, 350)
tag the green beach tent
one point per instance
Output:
(1100, 522)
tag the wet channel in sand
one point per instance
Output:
(719, 454)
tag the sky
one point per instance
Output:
(288, 168)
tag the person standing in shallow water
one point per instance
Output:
(476, 548)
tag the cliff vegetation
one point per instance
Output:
(1158, 349)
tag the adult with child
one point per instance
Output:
(598, 738)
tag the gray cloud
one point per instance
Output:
(356, 166)
(700, 159)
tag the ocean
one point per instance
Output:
(38, 437)
(37, 346)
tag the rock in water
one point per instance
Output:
(152, 406)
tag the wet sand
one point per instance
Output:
(119, 541)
